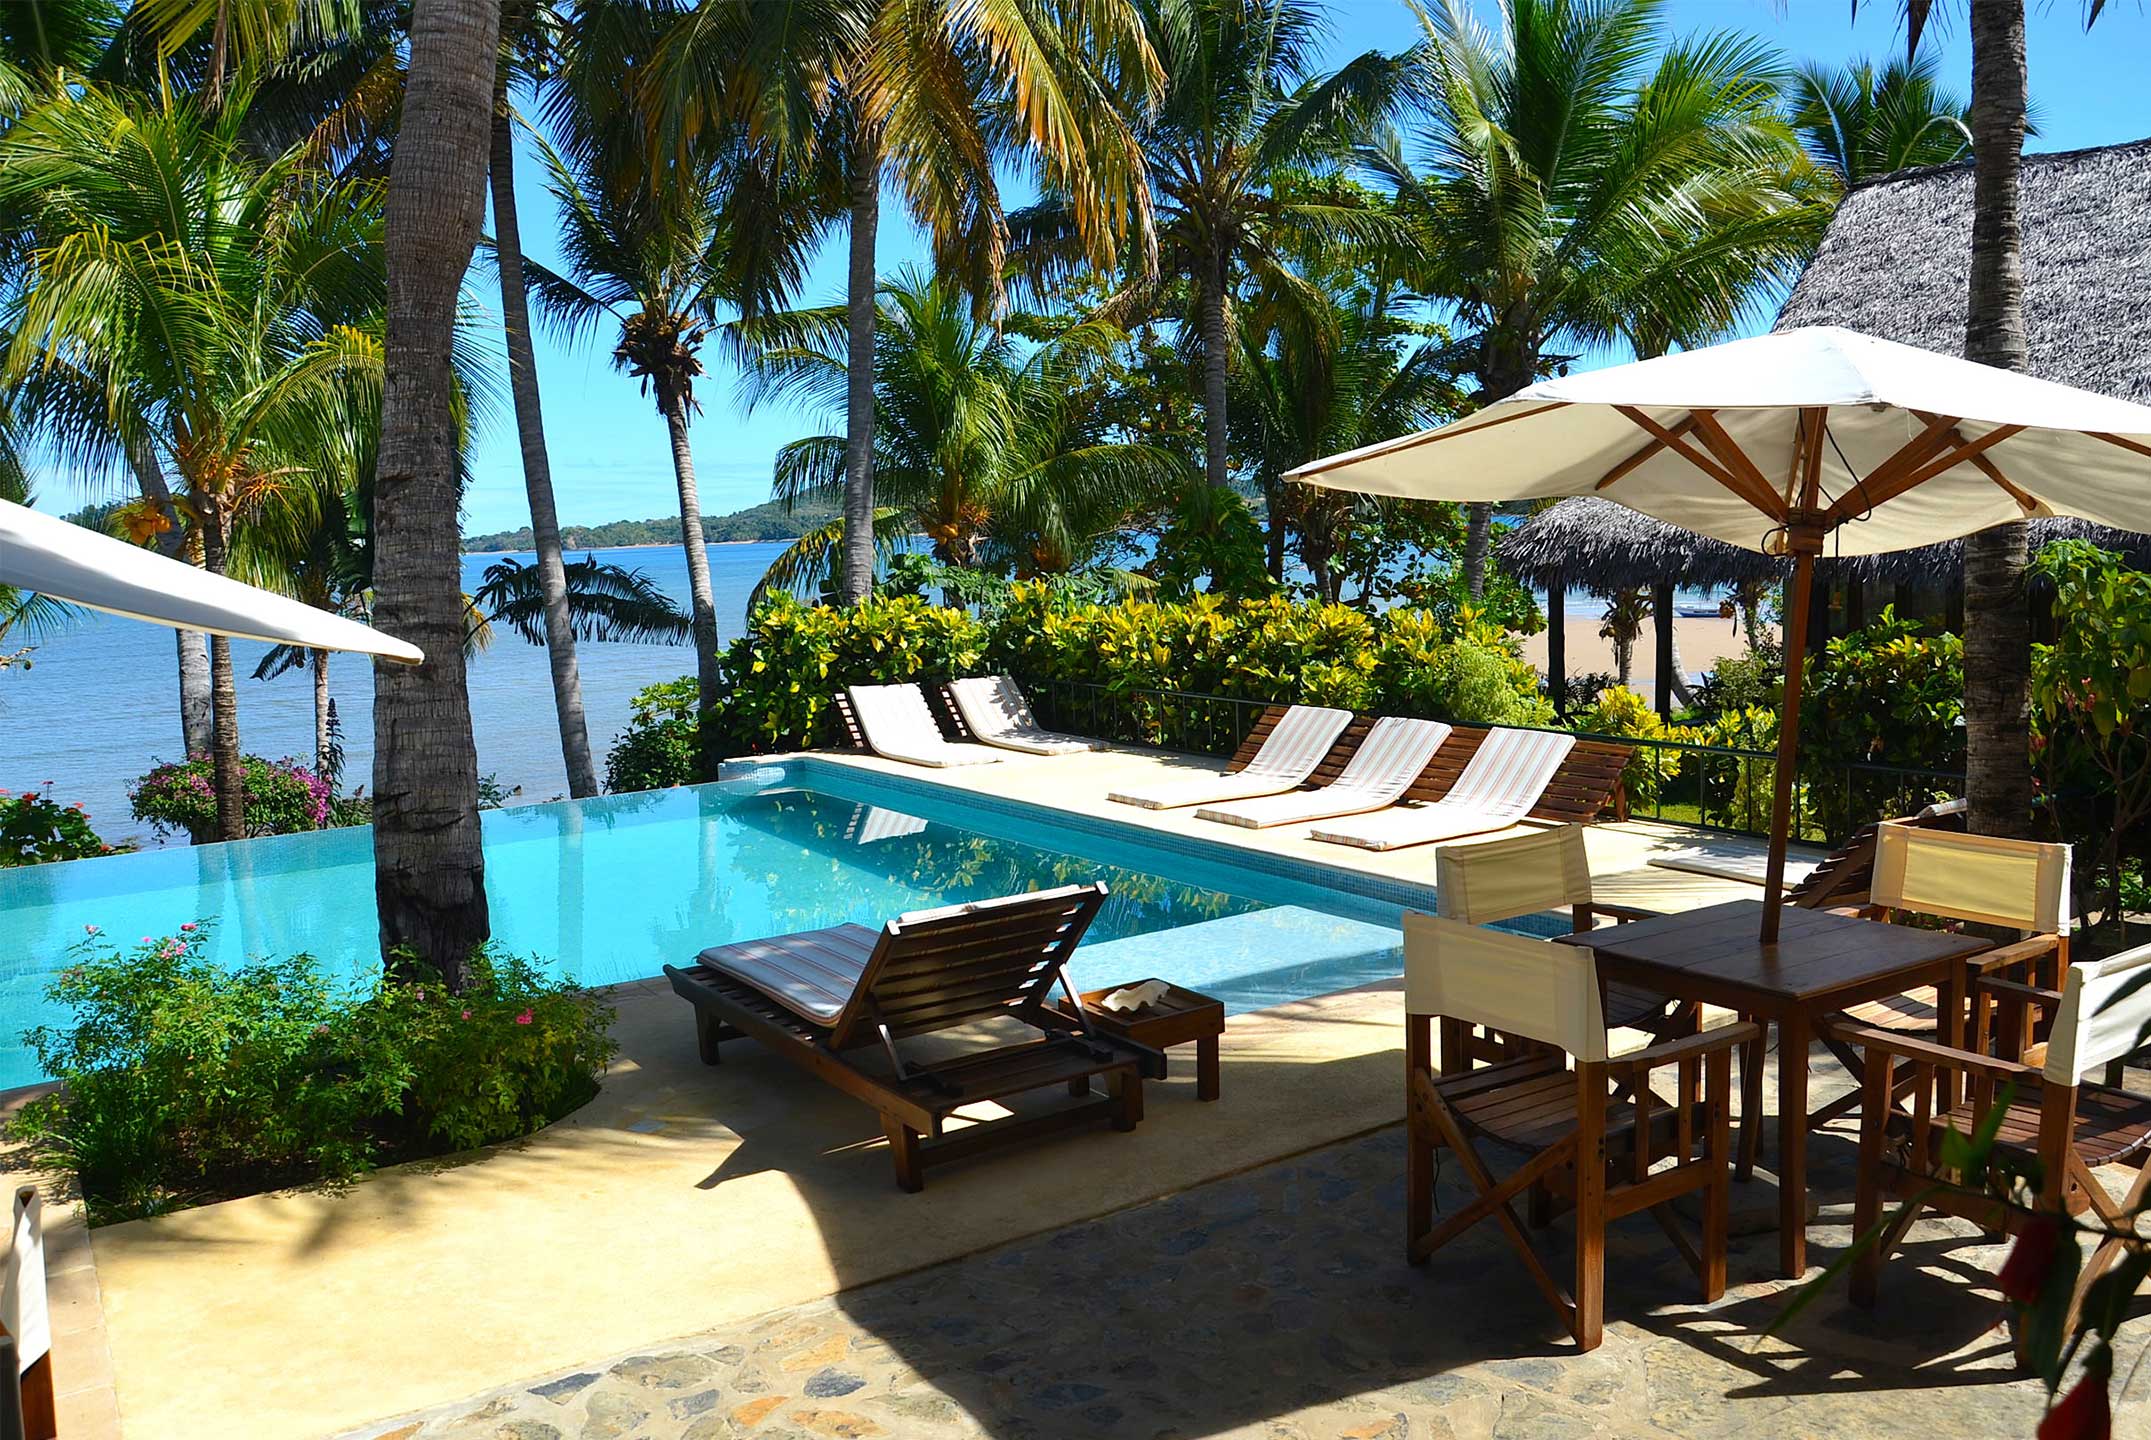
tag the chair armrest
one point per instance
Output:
(1620, 912)
(1909, 1047)
(2015, 952)
(2031, 994)
(1688, 1047)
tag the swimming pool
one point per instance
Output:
(611, 889)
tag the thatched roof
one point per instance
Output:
(1598, 545)
(1592, 544)
(1895, 263)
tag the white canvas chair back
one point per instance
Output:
(1509, 770)
(1501, 879)
(1508, 983)
(22, 1281)
(992, 705)
(1301, 738)
(1392, 755)
(2105, 1007)
(1987, 879)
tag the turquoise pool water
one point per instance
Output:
(612, 889)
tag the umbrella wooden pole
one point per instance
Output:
(1803, 597)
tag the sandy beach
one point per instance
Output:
(1698, 641)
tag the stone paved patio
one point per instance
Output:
(1277, 1304)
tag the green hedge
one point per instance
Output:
(779, 676)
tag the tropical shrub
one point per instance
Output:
(1889, 694)
(1621, 711)
(2091, 699)
(1737, 791)
(1211, 536)
(183, 1082)
(35, 828)
(282, 796)
(1463, 669)
(658, 747)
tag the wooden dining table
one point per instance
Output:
(1820, 963)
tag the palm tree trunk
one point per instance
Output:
(1503, 376)
(1997, 625)
(858, 571)
(429, 865)
(537, 465)
(223, 695)
(318, 662)
(702, 603)
(175, 542)
(1217, 467)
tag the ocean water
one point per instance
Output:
(616, 888)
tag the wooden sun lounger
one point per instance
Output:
(1846, 874)
(1587, 784)
(840, 1003)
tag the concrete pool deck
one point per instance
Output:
(684, 1198)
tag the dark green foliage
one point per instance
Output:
(184, 1082)
(35, 828)
(658, 747)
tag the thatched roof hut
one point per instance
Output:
(1940, 567)
(1897, 257)
(1587, 543)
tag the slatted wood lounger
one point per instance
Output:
(840, 1003)
(1295, 742)
(1381, 769)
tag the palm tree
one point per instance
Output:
(1858, 123)
(1997, 624)
(606, 603)
(1317, 378)
(924, 96)
(1242, 154)
(1588, 179)
(664, 263)
(231, 336)
(980, 446)
(429, 864)
(526, 42)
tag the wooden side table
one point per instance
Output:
(1174, 1018)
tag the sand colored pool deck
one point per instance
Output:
(685, 1198)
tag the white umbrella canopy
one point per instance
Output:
(1918, 447)
(1797, 442)
(66, 562)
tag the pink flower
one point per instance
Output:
(523, 1019)
(89, 929)
(149, 939)
(466, 1014)
(190, 925)
(421, 995)
(321, 1029)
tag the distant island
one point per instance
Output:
(770, 521)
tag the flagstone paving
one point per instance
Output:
(1277, 1304)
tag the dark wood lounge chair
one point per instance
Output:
(1847, 874)
(840, 1003)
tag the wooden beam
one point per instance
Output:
(1878, 481)
(1873, 495)
(1447, 432)
(1649, 449)
(2122, 440)
(1701, 461)
(1759, 492)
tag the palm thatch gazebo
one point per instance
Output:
(1895, 264)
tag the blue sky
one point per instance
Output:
(609, 454)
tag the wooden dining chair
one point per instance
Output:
(2053, 1115)
(1926, 875)
(1546, 870)
(1605, 1156)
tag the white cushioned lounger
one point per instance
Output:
(898, 726)
(1505, 778)
(1382, 768)
(1302, 737)
(994, 707)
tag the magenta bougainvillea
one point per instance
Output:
(281, 796)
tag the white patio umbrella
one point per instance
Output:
(1799, 442)
(67, 562)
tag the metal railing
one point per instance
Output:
(1714, 787)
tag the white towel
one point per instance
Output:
(1383, 768)
(1287, 757)
(898, 726)
(1505, 778)
(994, 707)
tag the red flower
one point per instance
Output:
(2029, 1259)
(523, 1019)
(2083, 1413)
